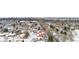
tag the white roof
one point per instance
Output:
(22, 21)
(2, 34)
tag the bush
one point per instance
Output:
(27, 34)
(5, 30)
(50, 38)
(24, 35)
(51, 26)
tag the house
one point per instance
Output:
(40, 35)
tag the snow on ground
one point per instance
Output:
(2, 39)
(32, 37)
(75, 35)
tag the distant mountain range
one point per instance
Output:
(40, 18)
